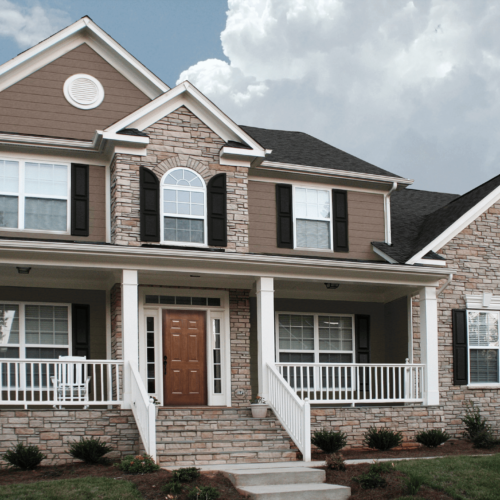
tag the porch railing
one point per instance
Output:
(57, 383)
(355, 383)
(293, 413)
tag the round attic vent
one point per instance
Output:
(83, 91)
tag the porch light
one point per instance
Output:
(332, 286)
(23, 270)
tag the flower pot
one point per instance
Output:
(259, 411)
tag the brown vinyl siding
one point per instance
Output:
(36, 105)
(97, 213)
(365, 219)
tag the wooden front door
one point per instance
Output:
(184, 358)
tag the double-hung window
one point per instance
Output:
(483, 346)
(183, 200)
(313, 221)
(34, 195)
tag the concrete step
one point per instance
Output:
(218, 451)
(275, 476)
(318, 491)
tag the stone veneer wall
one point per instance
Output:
(116, 322)
(53, 430)
(177, 140)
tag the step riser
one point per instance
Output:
(241, 479)
(335, 493)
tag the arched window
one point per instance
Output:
(183, 202)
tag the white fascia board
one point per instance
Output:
(52, 142)
(458, 226)
(384, 255)
(305, 169)
(431, 262)
(129, 139)
(82, 31)
(187, 95)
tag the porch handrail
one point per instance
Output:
(293, 413)
(144, 411)
(31, 381)
(355, 382)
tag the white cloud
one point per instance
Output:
(29, 25)
(412, 86)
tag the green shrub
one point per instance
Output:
(370, 481)
(485, 439)
(329, 441)
(412, 485)
(335, 461)
(139, 464)
(89, 450)
(382, 439)
(381, 467)
(203, 493)
(173, 487)
(186, 475)
(474, 423)
(432, 438)
(24, 457)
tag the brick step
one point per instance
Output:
(215, 446)
(222, 439)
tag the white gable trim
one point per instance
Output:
(185, 94)
(458, 226)
(384, 255)
(83, 31)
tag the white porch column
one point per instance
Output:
(429, 344)
(265, 330)
(130, 328)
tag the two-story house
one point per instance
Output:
(151, 247)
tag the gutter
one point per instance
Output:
(387, 213)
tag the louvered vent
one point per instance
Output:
(83, 91)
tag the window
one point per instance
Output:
(312, 218)
(183, 201)
(34, 196)
(314, 338)
(483, 346)
(217, 358)
(150, 352)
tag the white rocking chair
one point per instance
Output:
(71, 380)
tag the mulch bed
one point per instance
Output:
(150, 485)
(393, 490)
(413, 450)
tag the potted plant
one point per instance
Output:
(156, 402)
(259, 407)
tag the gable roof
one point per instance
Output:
(424, 221)
(82, 31)
(300, 148)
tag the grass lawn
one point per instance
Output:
(463, 478)
(87, 488)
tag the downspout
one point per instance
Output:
(387, 210)
(448, 281)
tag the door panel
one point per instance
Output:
(184, 345)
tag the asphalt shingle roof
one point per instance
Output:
(298, 148)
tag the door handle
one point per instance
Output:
(164, 365)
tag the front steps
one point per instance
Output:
(209, 436)
(286, 484)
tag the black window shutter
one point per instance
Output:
(81, 330)
(217, 211)
(79, 199)
(340, 228)
(362, 338)
(460, 369)
(149, 205)
(284, 215)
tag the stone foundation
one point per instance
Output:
(53, 431)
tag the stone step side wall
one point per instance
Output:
(54, 430)
(190, 436)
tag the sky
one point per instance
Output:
(410, 86)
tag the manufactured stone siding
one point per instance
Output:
(53, 431)
(116, 322)
(177, 140)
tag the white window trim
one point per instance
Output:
(181, 216)
(22, 328)
(317, 351)
(21, 196)
(478, 385)
(212, 312)
(294, 212)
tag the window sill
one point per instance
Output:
(37, 231)
(483, 386)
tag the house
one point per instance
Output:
(151, 247)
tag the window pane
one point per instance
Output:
(9, 352)
(46, 325)
(45, 352)
(8, 211)
(335, 333)
(313, 234)
(483, 365)
(46, 179)
(296, 332)
(483, 329)
(9, 176)
(45, 214)
(9, 324)
(185, 230)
